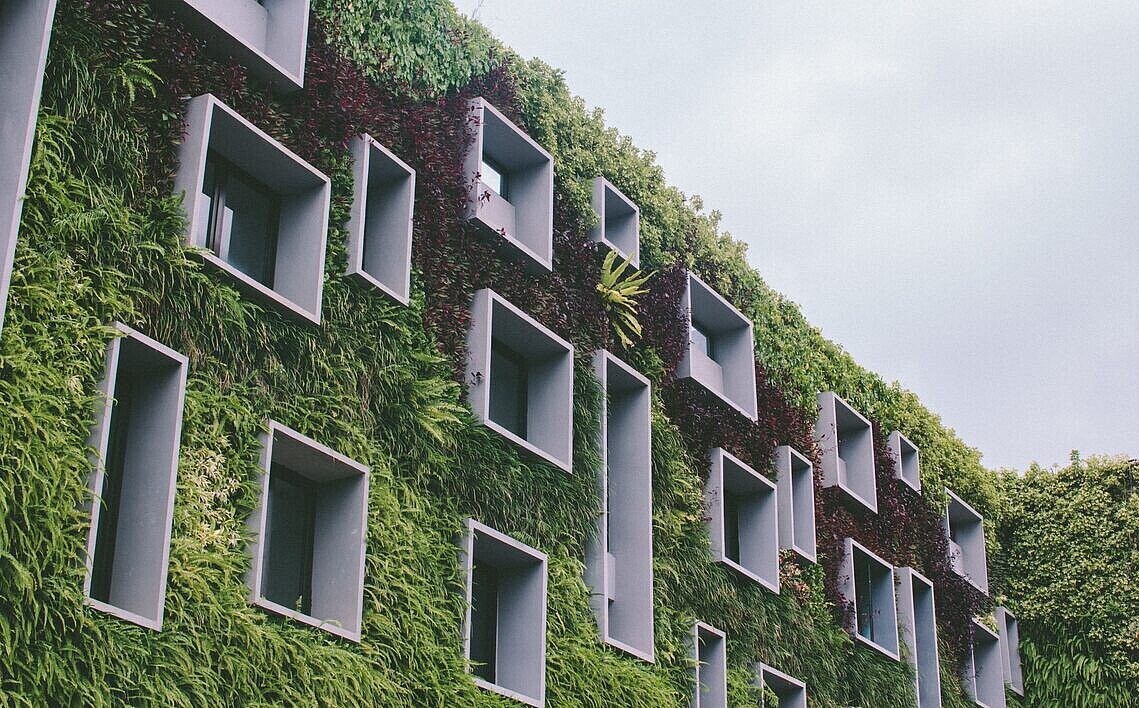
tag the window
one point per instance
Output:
(790, 692)
(259, 210)
(918, 622)
(983, 674)
(510, 394)
(702, 339)
(269, 36)
(721, 351)
(868, 584)
(742, 507)
(493, 176)
(511, 180)
(310, 526)
(137, 440)
(520, 379)
(965, 528)
(25, 29)
(379, 228)
(710, 653)
(906, 463)
(1009, 631)
(846, 439)
(619, 560)
(243, 220)
(796, 487)
(618, 221)
(504, 627)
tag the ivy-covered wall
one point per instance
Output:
(102, 241)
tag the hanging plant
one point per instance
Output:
(619, 297)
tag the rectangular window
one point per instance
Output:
(508, 395)
(243, 221)
(484, 621)
(103, 564)
(864, 594)
(290, 534)
(732, 526)
(703, 339)
(494, 176)
(310, 528)
(136, 442)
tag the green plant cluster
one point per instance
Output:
(1070, 554)
(102, 241)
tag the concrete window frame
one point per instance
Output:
(917, 618)
(145, 381)
(792, 692)
(881, 605)
(1008, 629)
(618, 221)
(730, 373)
(846, 439)
(520, 612)
(795, 480)
(965, 531)
(214, 128)
(907, 460)
(983, 673)
(25, 32)
(548, 362)
(339, 486)
(619, 559)
(524, 216)
(379, 228)
(709, 647)
(754, 518)
(270, 38)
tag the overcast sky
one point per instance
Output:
(950, 191)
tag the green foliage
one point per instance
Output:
(1070, 541)
(102, 240)
(619, 296)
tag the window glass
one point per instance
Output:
(493, 176)
(289, 536)
(702, 339)
(508, 388)
(484, 621)
(244, 219)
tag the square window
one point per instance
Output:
(310, 532)
(619, 560)
(25, 30)
(504, 628)
(137, 440)
(846, 439)
(260, 211)
(917, 618)
(520, 379)
(511, 185)
(906, 460)
(868, 584)
(270, 37)
(966, 531)
(710, 653)
(796, 486)
(379, 230)
(983, 678)
(791, 692)
(1009, 632)
(721, 351)
(742, 507)
(618, 221)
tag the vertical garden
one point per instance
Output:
(385, 384)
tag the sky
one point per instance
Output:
(949, 190)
